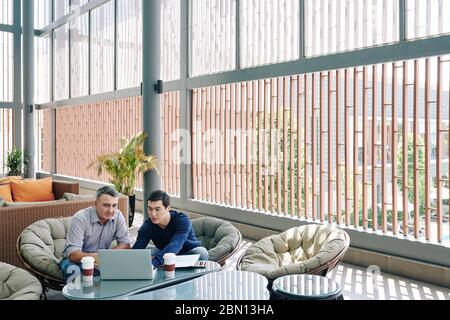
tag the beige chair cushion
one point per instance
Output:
(42, 244)
(77, 197)
(297, 250)
(18, 284)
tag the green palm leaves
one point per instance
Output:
(125, 165)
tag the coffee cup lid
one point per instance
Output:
(87, 259)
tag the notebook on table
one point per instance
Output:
(186, 261)
(126, 264)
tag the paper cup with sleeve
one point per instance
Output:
(169, 265)
(87, 268)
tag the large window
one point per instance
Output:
(7, 133)
(6, 66)
(102, 44)
(341, 25)
(269, 31)
(427, 17)
(42, 71)
(170, 40)
(42, 13)
(79, 56)
(61, 8)
(213, 36)
(304, 145)
(129, 43)
(61, 63)
(6, 11)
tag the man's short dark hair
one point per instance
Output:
(159, 195)
(107, 190)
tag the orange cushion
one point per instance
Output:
(8, 179)
(32, 190)
(5, 192)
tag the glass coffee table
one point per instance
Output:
(224, 285)
(306, 287)
(109, 289)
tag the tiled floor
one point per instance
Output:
(357, 283)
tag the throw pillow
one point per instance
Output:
(32, 190)
(5, 192)
(77, 197)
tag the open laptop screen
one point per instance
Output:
(125, 264)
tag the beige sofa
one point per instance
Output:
(13, 220)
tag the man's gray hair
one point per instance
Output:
(107, 190)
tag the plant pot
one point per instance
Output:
(131, 207)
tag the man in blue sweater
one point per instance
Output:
(170, 231)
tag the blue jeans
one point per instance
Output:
(197, 250)
(71, 270)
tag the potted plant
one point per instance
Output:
(16, 162)
(125, 166)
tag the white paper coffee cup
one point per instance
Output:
(169, 265)
(169, 261)
(87, 268)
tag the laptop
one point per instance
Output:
(126, 264)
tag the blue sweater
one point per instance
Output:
(177, 237)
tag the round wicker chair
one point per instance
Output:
(40, 247)
(312, 249)
(218, 236)
(18, 284)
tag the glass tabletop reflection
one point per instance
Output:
(108, 289)
(306, 286)
(224, 285)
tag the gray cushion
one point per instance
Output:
(218, 236)
(77, 197)
(42, 244)
(18, 284)
(297, 250)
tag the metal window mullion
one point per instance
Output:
(93, 4)
(9, 28)
(356, 133)
(238, 35)
(115, 46)
(394, 52)
(52, 58)
(394, 160)
(69, 40)
(365, 140)
(89, 52)
(402, 21)
(17, 89)
(186, 100)
(439, 144)
(53, 155)
(302, 26)
(428, 177)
